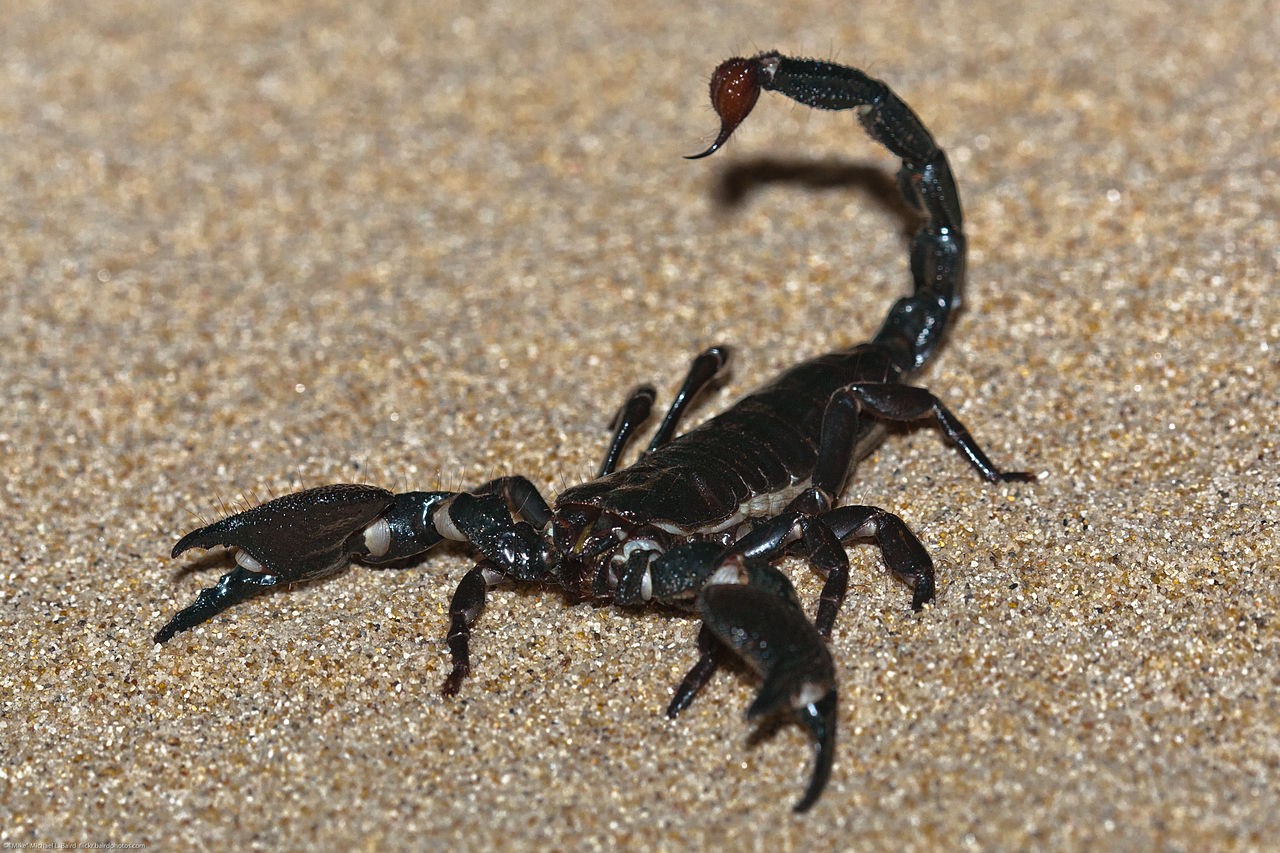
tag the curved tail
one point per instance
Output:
(915, 324)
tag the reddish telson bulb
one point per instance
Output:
(735, 86)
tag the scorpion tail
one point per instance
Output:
(771, 634)
(915, 324)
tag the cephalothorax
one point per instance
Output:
(699, 520)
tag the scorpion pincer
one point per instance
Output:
(699, 520)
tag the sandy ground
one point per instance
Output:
(251, 247)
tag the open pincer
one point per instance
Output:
(303, 536)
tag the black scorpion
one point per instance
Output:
(699, 520)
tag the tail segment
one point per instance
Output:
(915, 323)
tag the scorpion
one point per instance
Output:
(698, 522)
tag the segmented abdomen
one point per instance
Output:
(730, 466)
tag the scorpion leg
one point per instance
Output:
(464, 610)
(904, 554)
(819, 537)
(634, 412)
(820, 544)
(522, 497)
(511, 548)
(903, 403)
(709, 365)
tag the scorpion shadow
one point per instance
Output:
(741, 180)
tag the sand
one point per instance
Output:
(248, 248)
